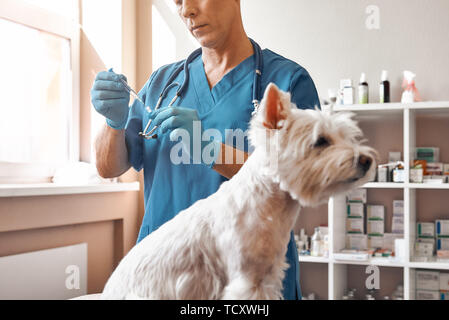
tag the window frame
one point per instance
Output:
(24, 13)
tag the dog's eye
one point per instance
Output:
(321, 142)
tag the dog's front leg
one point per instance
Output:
(243, 289)
(238, 289)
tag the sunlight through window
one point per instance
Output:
(164, 41)
(61, 7)
(36, 91)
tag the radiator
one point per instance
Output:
(59, 273)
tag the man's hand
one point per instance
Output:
(111, 99)
(185, 123)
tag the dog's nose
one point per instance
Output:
(365, 163)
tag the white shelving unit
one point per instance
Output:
(374, 114)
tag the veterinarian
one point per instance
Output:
(219, 96)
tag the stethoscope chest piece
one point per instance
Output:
(256, 108)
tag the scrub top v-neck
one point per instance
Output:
(170, 188)
(208, 98)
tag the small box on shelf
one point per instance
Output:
(432, 241)
(442, 243)
(389, 240)
(397, 226)
(442, 228)
(423, 171)
(429, 154)
(398, 207)
(376, 241)
(432, 285)
(397, 222)
(376, 227)
(355, 225)
(427, 295)
(424, 249)
(357, 195)
(356, 241)
(444, 282)
(444, 295)
(355, 210)
(375, 212)
(375, 222)
(416, 175)
(443, 255)
(425, 229)
(427, 280)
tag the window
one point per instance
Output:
(60, 7)
(39, 84)
(35, 87)
(105, 39)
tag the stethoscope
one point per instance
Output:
(170, 84)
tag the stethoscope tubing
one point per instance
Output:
(170, 84)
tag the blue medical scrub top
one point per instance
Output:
(169, 188)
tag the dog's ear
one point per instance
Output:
(275, 107)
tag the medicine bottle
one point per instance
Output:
(316, 243)
(384, 89)
(363, 90)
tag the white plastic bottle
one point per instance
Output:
(316, 246)
(348, 91)
(408, 96)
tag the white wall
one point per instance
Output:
(171, 39)
(330, 39)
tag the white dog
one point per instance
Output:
(232, 245)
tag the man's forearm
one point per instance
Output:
(229, 161)
(112, 154)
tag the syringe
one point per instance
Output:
(133, 93)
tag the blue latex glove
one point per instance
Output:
(185, 123)
(111, 99)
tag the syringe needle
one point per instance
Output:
(131, 91)
(136, 96)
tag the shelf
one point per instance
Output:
(393, 185)
(429, 265)
(48, 189)
(386, 262)
(370, 107)
(382, 262)
(428, 106)
(382, 111)
(390, 127)
(428, 185)
(395, 107)
(384, 185)
(313, 259)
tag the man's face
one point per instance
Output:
(209, 21)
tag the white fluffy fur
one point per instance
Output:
(232, 245)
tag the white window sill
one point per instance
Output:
(50, 189)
